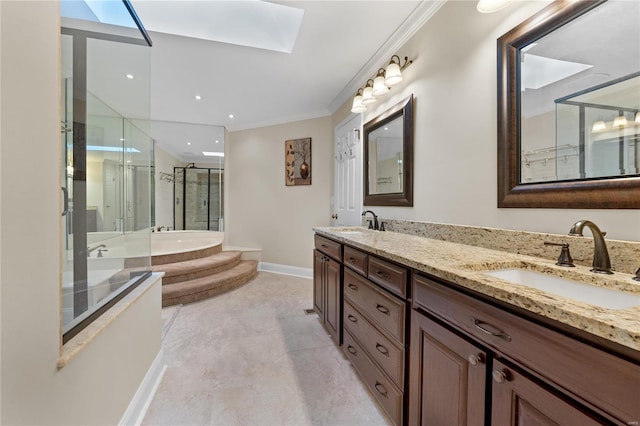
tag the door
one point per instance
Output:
(448, 376)
(347, 198)
(516, 400)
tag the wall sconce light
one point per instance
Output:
(490, 6)
(379, 88)
(620, 121)
(598, 126)
(367, 93)
(357, 103)
(381, 84)
(637, 120)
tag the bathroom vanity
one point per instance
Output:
(437, 340)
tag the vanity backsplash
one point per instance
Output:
(625, 255)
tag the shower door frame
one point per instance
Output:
(220, 171)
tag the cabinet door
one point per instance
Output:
(333, 313)
(318, 284)
(516, 400)
(448, 376)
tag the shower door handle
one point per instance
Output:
(65, 195)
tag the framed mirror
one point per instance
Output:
(569, 107)
(388, 157)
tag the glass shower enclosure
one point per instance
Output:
(107, 158)
(198, 198)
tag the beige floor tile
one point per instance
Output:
(253, 357)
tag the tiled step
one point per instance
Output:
(197, 268)
(205, 287)
(187, 255)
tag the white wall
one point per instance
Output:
(453, 79)
(97, 385)
(164, 163)
(264, 213)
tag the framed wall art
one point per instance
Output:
(297, 157)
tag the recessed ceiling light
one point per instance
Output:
(213, 154)
(217, 141)
(198, 97)
(230, 115)
(121, 139)
(130, 76)
(188, 143)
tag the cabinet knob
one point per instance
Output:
(382, 309)
(352, 350)
(352, 287)
(475, 359)
(352, 318)
(500, 376)
(382, 349)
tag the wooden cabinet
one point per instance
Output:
(538, 376)
(374, 317)
(327, 289)
(448, 376)
(519, 401)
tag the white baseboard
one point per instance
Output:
(285, 270)
(142, 399)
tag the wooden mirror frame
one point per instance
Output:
(607, 193)
(403, 109)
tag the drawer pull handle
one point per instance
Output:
(475, 359)
(352, 287)
(352, 350)
(382, 349)
(382, 309)
(482, 326)
(381, 389)
(382, 275)
(501, 376)
(352, 318)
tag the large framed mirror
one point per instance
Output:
(388, 157)
(569, 107)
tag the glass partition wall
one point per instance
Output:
(199, 198)
(107, 160)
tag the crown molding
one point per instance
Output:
(420, 15)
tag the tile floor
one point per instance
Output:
(253, 357)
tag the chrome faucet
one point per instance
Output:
(601, 261)
(375, 219)
(90, 250)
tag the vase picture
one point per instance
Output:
(298, 162)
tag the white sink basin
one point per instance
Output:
(591, 294)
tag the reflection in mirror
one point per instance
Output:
(568, 109)
(385, 158)
(580, 94)
(388, 153)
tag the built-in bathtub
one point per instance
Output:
(124, 254)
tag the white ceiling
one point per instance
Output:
(340, 45)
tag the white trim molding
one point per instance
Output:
(140, 402)
(277, 268)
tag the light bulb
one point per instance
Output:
(637, 120)
(367, 95)
(489, 6)
(393, 75)
(357, 104)
(598, 126)
(620, 121)
(379, 88)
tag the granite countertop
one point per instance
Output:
(464, 265)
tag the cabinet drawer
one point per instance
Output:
(384, 310)
(329, 247)
(390, 276)
(386, 354)
(388, 396)
(356, 260)
(598, 379)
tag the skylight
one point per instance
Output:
(249, 23)
(538, 71)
